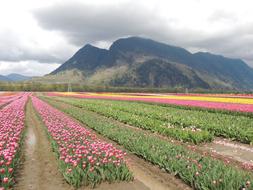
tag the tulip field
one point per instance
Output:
(8, 97)
(238, 103)
(83, 158)
(116, 140)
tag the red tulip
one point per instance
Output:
(2, 170)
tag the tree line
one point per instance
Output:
(78, 87)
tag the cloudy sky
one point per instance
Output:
(36, 36)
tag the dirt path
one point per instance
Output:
(235, 150)
(153, 177)
(39, 169)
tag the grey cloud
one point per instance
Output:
(89, 23)
(81, 23)
(235, 43)
(29, 68)
(12, 48)
(224, 16)
(23, 55)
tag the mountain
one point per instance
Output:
(86, 59)
(14, 77)
(4, 78)
(17, 77)
(140, 62)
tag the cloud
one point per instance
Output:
(235, 43)
(219, 31)
(22, 39)
(223, 16)
(17, 47)
(85, 23)
(28, 68)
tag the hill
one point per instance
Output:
(14, 77)
(140, 62)
(4, 78)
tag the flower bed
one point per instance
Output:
(12, 124)
(83, 158)
(8, 99)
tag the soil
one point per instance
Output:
(235, 150)
(39, 168)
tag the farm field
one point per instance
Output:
(6, 98)
(125, 141)
(237, 103)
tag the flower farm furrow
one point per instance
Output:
(198, 170)
(12, 124)
(229, 104)
(83, 158)
(223, 125)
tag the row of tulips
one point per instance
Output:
(215, 95)
(12, 124)
(203, 102)
(224, 95)
(8, 98)
(219, 124)
(199, 171)
(186, 97)
(2, 94)
(116, 110)
(83, 158)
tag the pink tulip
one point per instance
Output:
(5, 180)
(10, 170)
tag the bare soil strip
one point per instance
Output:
(148, 174)
(237, 151)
